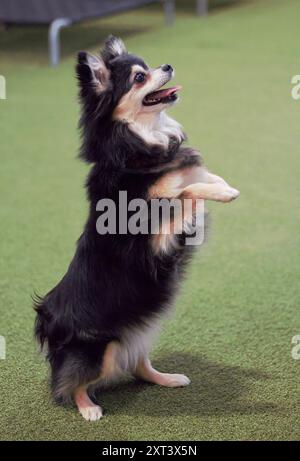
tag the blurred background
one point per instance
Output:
(238, 310)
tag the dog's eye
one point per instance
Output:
(139, 77)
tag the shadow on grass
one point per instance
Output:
(216, 390)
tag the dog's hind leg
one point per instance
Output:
(88, 409)
(76, 369)
(109, 371)
(146, 372)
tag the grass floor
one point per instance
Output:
(239, 308)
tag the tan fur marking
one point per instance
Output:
(163, 242)
(123, 111)
(128, 106)
(212, 188)
(110, 366)
(102, 75)
(146, 372)
(167, 186)
(171, 184)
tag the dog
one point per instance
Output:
(100, 320)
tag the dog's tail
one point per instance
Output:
(54, 323)
(42, 319)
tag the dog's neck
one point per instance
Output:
(156, 128)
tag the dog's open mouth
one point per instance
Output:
(163, 96)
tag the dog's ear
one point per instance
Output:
(92, 72)
(113, 47)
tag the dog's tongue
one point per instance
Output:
(165, 93)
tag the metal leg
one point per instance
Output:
(202, 7)
(53, 39)
(169, 7)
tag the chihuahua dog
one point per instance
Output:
(99, 321)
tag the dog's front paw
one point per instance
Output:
(91, 413)
(175, 380)
(227, 194)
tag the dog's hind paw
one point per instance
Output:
(174, 380)
(91, 413)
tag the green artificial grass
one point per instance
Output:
(238, 310)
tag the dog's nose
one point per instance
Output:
(167, 68)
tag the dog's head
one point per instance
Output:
(123, 105)
(123, 85)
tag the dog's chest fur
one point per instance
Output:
(156, 129)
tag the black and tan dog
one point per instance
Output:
(99, 321)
